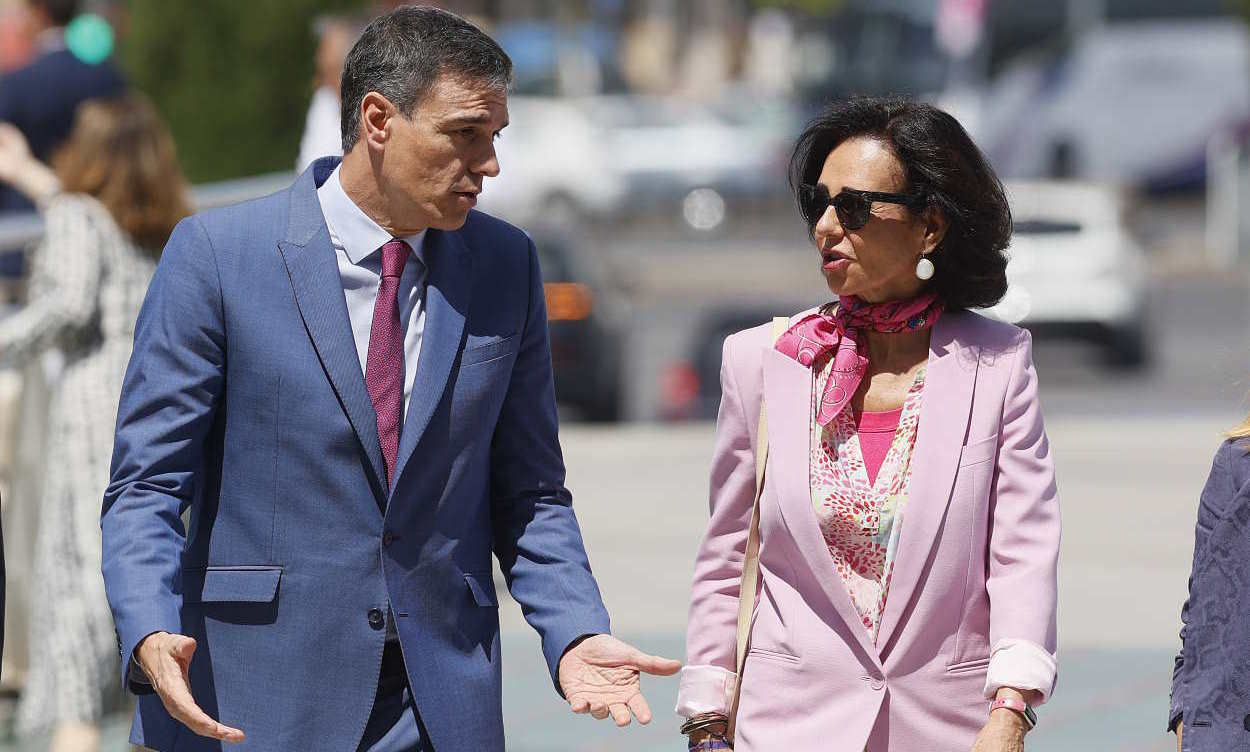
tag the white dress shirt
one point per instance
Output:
(358, 244)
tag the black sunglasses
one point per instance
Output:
(853, 206)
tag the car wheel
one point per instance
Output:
(1127, 347)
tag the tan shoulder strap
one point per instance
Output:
(751, 563)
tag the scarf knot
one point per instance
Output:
(817, 334)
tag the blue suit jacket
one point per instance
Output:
(244, 401)
(1211, 677)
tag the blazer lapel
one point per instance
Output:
(949, 380)
(314, 274)
(447, 297)
(788, 395)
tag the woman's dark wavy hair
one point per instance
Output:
(941, 164)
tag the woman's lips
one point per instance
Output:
(835, 262)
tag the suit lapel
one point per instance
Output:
(314, 274)
(447, 297)
(788, 394)
(949, 380)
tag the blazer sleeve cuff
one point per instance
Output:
(1021, 664)
(133, 677)
(1175, 716)
(557, 641)
(705, 689)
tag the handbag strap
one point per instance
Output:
(751, 562)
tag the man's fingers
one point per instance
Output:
(620, 713)
(598, 711)
(183, 648)
(655, 665)
(579, 705)
(642, 711)
(176, 695)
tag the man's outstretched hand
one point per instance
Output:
(166, 659)
(600, 676)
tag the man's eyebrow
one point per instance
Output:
(476, 119)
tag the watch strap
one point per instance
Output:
(1018, 705)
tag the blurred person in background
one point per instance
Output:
(909, 523)
(346, 387)
(322, 135)
(108, 207)
(40, 98)
(1210, 697)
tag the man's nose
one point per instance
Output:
(489, 164)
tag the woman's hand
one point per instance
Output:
(1003, 732)
(1180, 729)
(20, 169)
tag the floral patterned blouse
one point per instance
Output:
(861, 520)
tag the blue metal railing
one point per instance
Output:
(18, 231)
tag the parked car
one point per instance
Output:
(555, 166)
(1075, 269)
(1133, 102)
(585, 324)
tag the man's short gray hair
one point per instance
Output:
(401, 54)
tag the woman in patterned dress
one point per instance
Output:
(909, 524)
(108, 207)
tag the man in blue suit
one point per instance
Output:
(40, 98)
(347, 385)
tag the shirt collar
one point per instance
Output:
(354, 230)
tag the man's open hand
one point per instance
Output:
(600, 676)
(166, 659)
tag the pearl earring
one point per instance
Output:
(924, 268)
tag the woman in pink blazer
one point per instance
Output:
(909, 524)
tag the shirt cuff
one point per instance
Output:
(1020, 664)
(705, 689)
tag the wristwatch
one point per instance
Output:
(1020, 706)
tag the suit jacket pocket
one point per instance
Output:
(772, 655)
(482, 588)
(484, 349)
(231, 584)
(968, 667)
(976, 452)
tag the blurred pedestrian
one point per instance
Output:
(1210, 696)
(347, 387)
(323, 136)
(908, 528)
(108, 208)
(40, 98)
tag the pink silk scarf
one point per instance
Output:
(818, 333)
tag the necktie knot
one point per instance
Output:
(394, 256)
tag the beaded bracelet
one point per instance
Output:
(708, 744)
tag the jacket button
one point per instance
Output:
(388, 538)
(376, 619)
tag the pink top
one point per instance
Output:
(876, 432)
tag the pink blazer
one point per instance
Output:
(975, 571)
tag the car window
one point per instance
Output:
(1045, 227)
(551, 260)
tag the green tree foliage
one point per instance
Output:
(233, 77)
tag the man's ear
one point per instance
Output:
(376, 112)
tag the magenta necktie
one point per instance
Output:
(384, 367)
